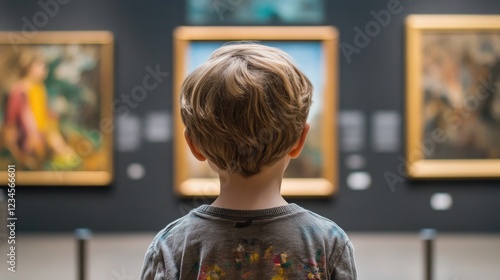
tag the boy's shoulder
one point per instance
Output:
(180, 224)
(320, 225)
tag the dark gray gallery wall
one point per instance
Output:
(372, 81)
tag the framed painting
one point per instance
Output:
(314, 50)
(56, 118)
(453, 96)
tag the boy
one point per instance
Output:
(245, 112)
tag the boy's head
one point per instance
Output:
(246, 107)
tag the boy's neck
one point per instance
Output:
(260, 191)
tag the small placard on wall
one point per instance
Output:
(128, 133)
(352, 129)
(158, 126)
(386, 127)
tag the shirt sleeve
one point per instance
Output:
(344, 267)
(154, 265)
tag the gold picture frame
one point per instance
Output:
(452, 77)
(69, 107)
(323, 39)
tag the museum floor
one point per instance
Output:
(378, 256)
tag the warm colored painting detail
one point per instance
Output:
(461, 83)
(54, 95)
(453, 96)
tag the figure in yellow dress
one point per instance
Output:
(31, 130)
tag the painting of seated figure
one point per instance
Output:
(55, 113)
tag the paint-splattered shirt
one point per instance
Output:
(285, 242)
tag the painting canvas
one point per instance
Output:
(258, 12)
(454, 96)
(55, 113)
(311, 174)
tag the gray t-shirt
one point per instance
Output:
(285, 242)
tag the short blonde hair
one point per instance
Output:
(245, 107)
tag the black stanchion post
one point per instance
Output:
(428, 235)
(82, 235)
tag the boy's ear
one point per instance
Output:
(299, 145)
(194, 150)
